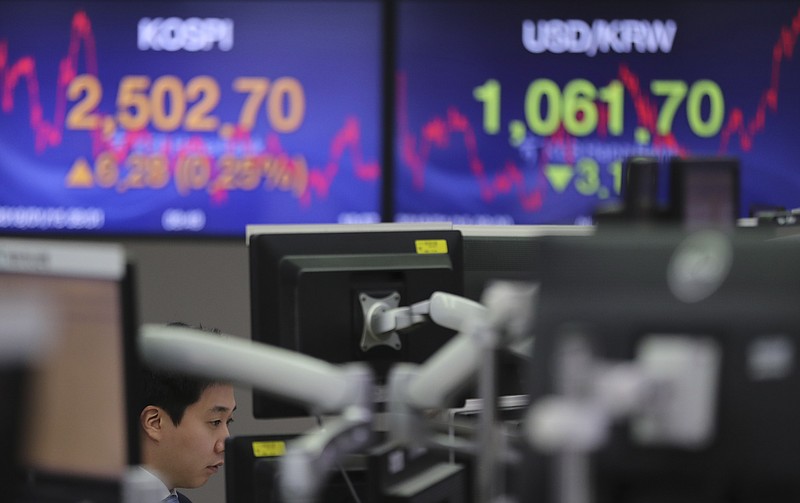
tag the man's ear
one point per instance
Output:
(152, 421)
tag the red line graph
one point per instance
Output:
(49, 133)
(748, 129)
(736, 125)
(438, 133)
(348, 138)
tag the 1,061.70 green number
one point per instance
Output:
(547, 106)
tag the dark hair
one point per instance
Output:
(170, 390)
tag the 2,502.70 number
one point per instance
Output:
(167, 104)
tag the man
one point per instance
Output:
(184, 422)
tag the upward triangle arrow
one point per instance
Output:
(80, 175)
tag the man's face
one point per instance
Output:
(194, 450)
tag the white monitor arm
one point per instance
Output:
(498, 322)
(668, 393)
(502, 321)
(320, 386)
(384, 318)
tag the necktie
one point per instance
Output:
(172, 498)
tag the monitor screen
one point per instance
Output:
(77, 438)
(308, 292)
(189, 118)
(705, 192)
(618, 291)
(516, 112)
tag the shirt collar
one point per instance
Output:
(157, 482)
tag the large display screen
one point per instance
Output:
(522, 112)
(193, 118)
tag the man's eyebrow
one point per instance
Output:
(222, 408)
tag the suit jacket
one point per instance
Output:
(182, 498)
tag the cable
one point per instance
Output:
(346, 477)
(350, 486)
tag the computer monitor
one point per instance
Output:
(77, 438)
(736, 292)
(522, 112)
(506, 253)
(188, 118)
(641, 188)
(308, 288)
(704, 191)
(251, 472)
(398, 474)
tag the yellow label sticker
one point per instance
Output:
(426, 246)
(269, 449)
